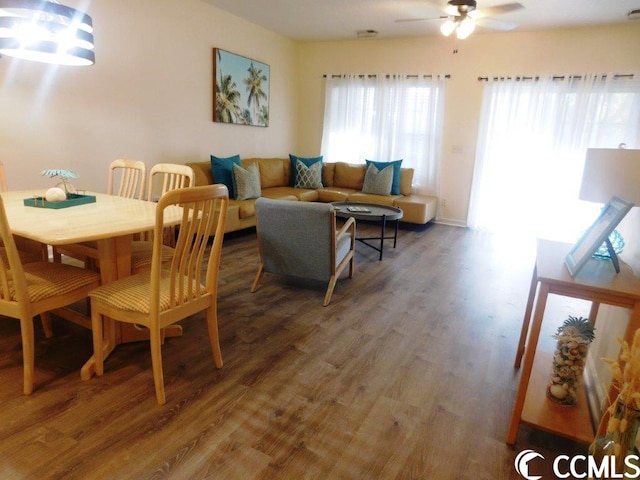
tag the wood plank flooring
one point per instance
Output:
(407, 374)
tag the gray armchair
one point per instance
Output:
(300, 239)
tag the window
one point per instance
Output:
(384, 118)
(531, 146)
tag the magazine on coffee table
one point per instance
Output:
(358, 209)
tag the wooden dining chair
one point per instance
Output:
(36, 288)
(129, 175)
(29, 251)
(168, 176)
(167, 293)
(3, 179)
(126, 179)
(163, 178)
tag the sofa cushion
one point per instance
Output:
(203, 172)
(361, 197)
(378, 182)
(417, 208)
(281, 193)
(406, 181)
(274, 172)
(306, 195)
(246, 182)
(246, 208)
(290, 193)
(328, 173)
(334, 194)
(222, 170)
(308, 176)
(396, 164)
(349, 175)
(307, 162)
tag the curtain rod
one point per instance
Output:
(554, 77)
(386, 76)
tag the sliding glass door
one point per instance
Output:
(531, 146)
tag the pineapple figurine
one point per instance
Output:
(573, 339)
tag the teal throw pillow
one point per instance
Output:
(222, 170)
(307, 163)
(308, 177)
(246, 182)
(397, 164)
(378, 182)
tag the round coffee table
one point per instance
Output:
(373, 213)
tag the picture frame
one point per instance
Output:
(240, 89)
(597, 234)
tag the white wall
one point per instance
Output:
(148, 96)
(573, 51)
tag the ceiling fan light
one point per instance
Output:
(448, 27)
(466, 28)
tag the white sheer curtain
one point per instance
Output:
(384, 118)
(532, 142)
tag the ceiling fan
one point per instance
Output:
(462, 17)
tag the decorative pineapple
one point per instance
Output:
(573, 339)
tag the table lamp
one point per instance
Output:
(610, 172)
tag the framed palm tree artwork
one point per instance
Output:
(240, 89)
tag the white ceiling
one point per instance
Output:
(316, 20)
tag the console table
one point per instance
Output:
(597, 282)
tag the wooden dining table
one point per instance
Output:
(111, 222)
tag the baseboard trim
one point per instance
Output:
(451, 223)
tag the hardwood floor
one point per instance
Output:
(407, 374)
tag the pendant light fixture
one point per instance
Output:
(45, 31)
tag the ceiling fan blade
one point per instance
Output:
(495, 24)
(497, 10)
(438, 3)
(406, 20)
(451, 10)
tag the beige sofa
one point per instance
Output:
(342, 182)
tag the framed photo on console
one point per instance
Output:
(597, 234)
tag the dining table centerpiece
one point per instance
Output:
(62, 195)
(58, 193)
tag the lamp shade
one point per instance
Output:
(611, 172)
(45, 31)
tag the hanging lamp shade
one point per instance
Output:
(45, 31)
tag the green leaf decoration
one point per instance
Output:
(578, 327)
(59, 173)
